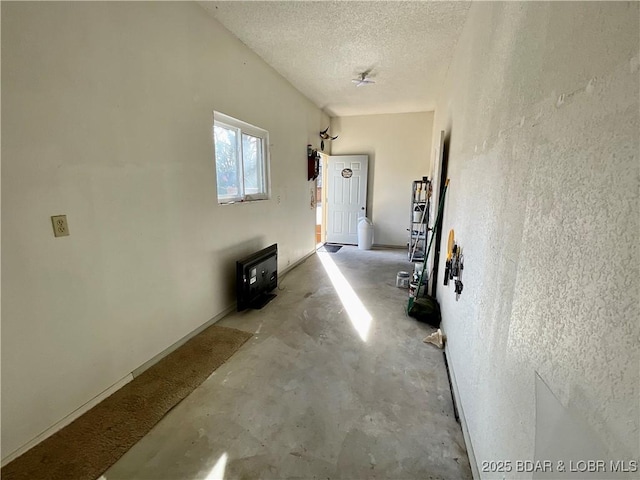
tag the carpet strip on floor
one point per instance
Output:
(88, 446)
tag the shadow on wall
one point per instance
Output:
(563, 438)
(443, 167)
(370, 182)
(226, 261)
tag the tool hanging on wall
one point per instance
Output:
(447, 268)
(454, 265)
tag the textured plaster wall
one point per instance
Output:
(107, 118)
(542, 107)
(398, 147)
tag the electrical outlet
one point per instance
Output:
(60, 227)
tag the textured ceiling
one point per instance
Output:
(320, 46)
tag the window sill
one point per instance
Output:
(236, 202)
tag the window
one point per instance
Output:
(242, 166)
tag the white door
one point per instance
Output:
(346, 196)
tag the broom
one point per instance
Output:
(426, 255)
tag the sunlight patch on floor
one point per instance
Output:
(358, 314)
(217, 472)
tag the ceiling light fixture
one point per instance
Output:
(363, 80)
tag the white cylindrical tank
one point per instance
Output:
(365, 234)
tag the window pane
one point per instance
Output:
(252, 163)
(241, 159)
(227, 171)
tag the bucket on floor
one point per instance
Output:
(402, 280)
(413, 289)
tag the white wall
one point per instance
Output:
(398, 146)
(107, 118)
(544, 202)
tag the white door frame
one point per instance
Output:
(324, 160)
(346, 175)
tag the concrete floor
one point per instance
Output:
(313, 396)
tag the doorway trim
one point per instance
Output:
(346, 194)
(322, 200)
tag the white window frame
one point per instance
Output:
(222, 120)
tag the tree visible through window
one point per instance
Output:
(241, 160)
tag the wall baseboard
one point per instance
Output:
(67, 420)
(148, 364)
(121, 383)
(286, 270)
(112, 389)
(463, 422)
(390, 247)
(171, 348)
